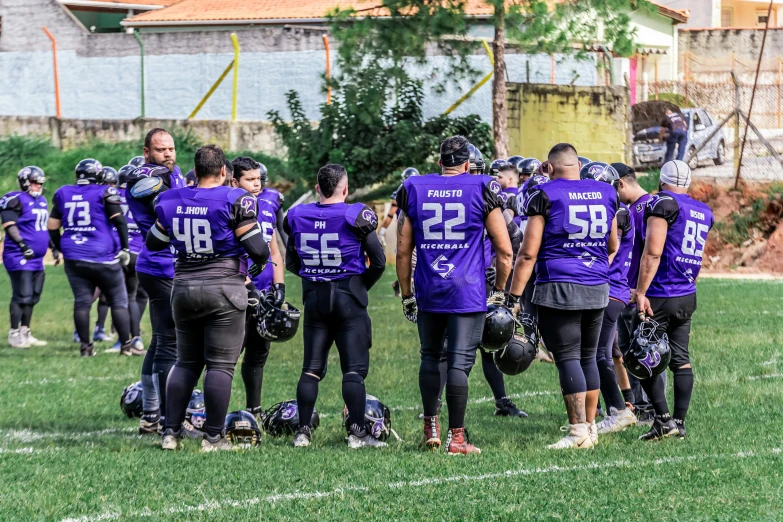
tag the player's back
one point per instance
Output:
(87, 233)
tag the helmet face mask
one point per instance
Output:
(476, 164)
(283, 419)
(242, 429)
(528, 166)
(377, 418)
(649, 354)
(277, 324)
(196, 412)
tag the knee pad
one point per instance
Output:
(26, 300)
(353, 377)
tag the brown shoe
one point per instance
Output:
(458, 443)
(431, 433)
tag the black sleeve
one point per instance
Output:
(366, 223)
(121, 225)
(55, 212)
(491, 198)
(374, 250)
(10, 209)
(537, 204)
(255, 246)
(280, 216)
(511, 204)
(402, 199)
(54, 238)
(112, 203)
(244, 211)
(515, 235)
(662, 206)
(156, 239)
(292, 262)
(624, 224)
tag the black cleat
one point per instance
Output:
(661, 430)
(680, 428)
(149, 424)
(505, 408)
(87, 350)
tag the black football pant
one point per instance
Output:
(463, 333)
(335, 313)
(493, 376)
(132, 286)
(26, 289)
(210, 322)
(256, 352)
(603, 358)
(84, 277)
(162, 352)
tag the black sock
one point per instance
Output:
(443, 370)
(217, 396)
(141, 302)
(430, 388)
(355, 397)
(162, 372)
(121, 320)
(306, 395)
(27, 315)
(683, 388)
(135, 318)
(181, 384)
(628, 396)
(457, 397)
(81, 319)
(609, 389)
(16, 314)
(253, 377)
(656, 393)
(493, 376)
(103, 312)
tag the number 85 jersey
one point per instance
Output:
(689, 223)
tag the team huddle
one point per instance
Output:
(568, 253)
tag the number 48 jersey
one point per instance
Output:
(689, 223)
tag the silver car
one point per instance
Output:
(649, 150)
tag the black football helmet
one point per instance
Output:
(29, 175)
(584, 161)
(377, 418)
(136, 161)
(108, 176)
(277, 324)
(528, 166)
(264, 173)
(499, 327)
(123, 174)
(521, 351)
(242, 429)
(649, 353)
(196, 412)
(283, 419)
(88, 171)
(496, 165)
(476, 161)
(515, 160)
(410, 171)
(131, 400)
(600, 171)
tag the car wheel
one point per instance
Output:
(720, 157)
(693, 159)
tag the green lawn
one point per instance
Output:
(66, 451)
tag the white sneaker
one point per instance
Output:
(171, 440)
(368, 441)
(592, 429)
(16, 339)
(617, 421)
(32, 341)
(303, 436)
(578, 438)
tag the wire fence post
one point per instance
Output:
(328, 71)
(780, 90)
(656, 78)
(137, 36)
(56, 76)
(736, 144)
(687, 73)
(235, 43)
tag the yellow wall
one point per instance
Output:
(593, 119)
(744, 13)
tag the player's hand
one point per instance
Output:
(496, 297)
(124, 256)
(512, 302)
(277, 295)
(633, 296)
(410, 308)
(254, 270)
(491, 275)
(643, 306)
(27, 252)
(56, 256)
(253, 300)
(382, 236)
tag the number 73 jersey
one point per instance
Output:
(689, 223)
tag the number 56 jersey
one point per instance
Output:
(447, 214)
(689, 223)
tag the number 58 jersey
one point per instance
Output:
(689, 223)
(447, 214)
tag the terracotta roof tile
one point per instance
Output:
(161, 3)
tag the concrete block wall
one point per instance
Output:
(593, 119)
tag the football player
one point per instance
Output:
(274, 198)
(444, 217)
(269, 285)
(94, 252)
(327, 244)
(677, 228)
(571, 232)
(24, 214)
(210, 227)
(155, 270)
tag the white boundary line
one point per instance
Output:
(767, 376)
(214, 505)
(45, 380)
(32, 436)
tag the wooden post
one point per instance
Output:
(656, 77)
(328, 71)
(56, 76)
(687, 73)
(552, 77)
(780, 89)
(736, 121)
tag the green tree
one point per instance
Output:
(394, 34)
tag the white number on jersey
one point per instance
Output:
(694, 238)
(266, 230)
(41, 216)
(320, 254)
(82, 211)
(195, 233)
(437, 219)
(597, 225)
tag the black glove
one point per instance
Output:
(278, 295)
(410, 308)
(254, 270)
(56, 255)
(491, 275)
(27, 252)
(253, 299)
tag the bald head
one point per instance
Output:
(564, 161)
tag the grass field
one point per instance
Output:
(66, 451)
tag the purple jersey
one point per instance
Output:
(88, 235)
(201, 221)
(639, 226)
(267, 220)
(329, 238)
(30, 215)
(618, 270)
(158, 264)
(689, 223)
(447, 214)
(135, 239)
(273, 196)
(578, 216)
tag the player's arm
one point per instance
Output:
(243, 220)
(277, 259)
(53, 225)
(10, 212)
(659, 214)
(498, 235)
(157, 238)
(405, 245)
(292, 262)
(514, 232)
(613, 242)
(528, 254)
(371, 245)
(280, 215)
(112, 206)
(389, 216)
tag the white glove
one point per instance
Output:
(382, 236)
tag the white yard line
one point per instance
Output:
(225, 504)
(41, 382)
(768, 376)
(32, 436)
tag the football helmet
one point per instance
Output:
(649, 353)
(521, 351)
(196, 412)
(499, 327)
(600, 171)
(264, 173)
(131, 400)
(30, 175)
(108, 176)
(496, 165)
(377, 418)
(136, 161)
(283, 419)
(123, 174)
(277, 324)
(584, 161)
(528, 166)
(410, 171)
(515, 160)
(87, 171)
(476, 161)
(242, 429)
